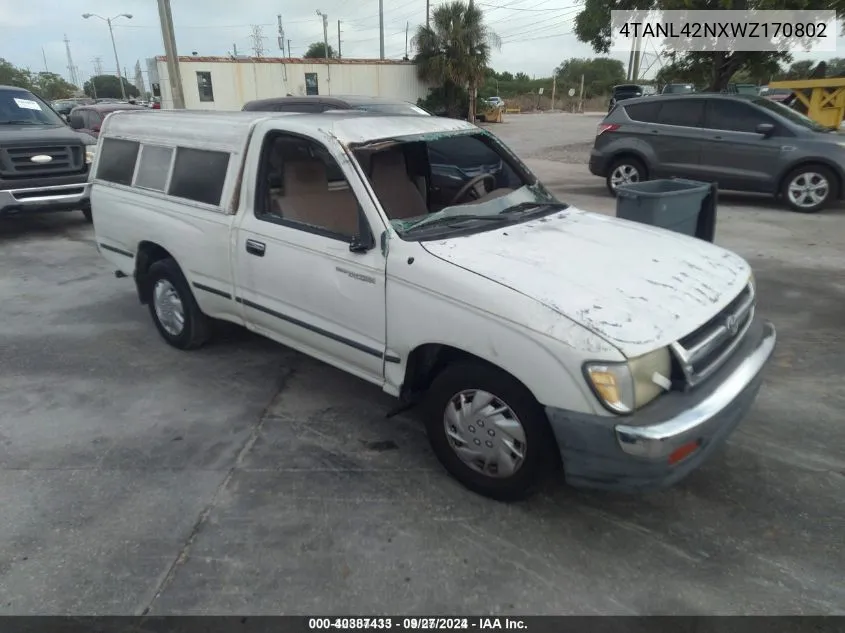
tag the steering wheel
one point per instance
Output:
(471, 186)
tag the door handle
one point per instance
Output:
(254, 247)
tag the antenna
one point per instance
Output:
(73, 72)
(257, 40)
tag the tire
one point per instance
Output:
(88, 217)
(640, 172)
(809, 176)
(537, 441)
(170, 294)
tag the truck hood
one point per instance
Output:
(17, 134)
(636, 286)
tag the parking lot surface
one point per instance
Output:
(246, 478)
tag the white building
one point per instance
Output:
(226, 83)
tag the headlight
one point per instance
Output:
(625, 387)
(753, 283)
(90, 152)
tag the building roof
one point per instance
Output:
(228, 131)
(284, 60)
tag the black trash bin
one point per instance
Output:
(684, 206)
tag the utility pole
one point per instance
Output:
(338, 39)
(281, 38)
(638, 42)
(235, 50)
(98, 65)
(288, 48)
(174, 74)
(427, 12)
(381, 28)
(554, 88)
(44, 55)
(581, 96)
(257, 40)
(406, 40)
(71, 69)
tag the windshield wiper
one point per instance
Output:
(453, 220)
(524, 207)
(17, 123)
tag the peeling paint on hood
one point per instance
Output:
(636, 286)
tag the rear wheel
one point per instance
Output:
(173, 308)
(809, 189)
(624, 171)
(488, 431)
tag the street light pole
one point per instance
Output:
(114, 47)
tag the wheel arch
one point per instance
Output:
(147, 254)
(809, 162)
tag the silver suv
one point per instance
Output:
(743, 143)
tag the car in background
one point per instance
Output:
(775, 94)
(496, 102)
(319, 103)
(627, 91)
(64, 106)
(89, 118)
(677, 89)
(43, 163)
(737, 141)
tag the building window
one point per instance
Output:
(117, 161)
(311, 86)
(204, 85)
(199, 175)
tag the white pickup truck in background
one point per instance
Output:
(421, 255)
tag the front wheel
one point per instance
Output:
(624, 171)
(809, 189)
(488, 431)
(175, 312)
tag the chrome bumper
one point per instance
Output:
(72, 196)
(659, 440)
(640, 452)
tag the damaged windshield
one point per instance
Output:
(462, 182)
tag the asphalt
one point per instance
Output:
(246, 478)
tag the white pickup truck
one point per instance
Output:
(420, 254)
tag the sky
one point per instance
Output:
(536, 34)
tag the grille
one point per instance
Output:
(701, 353)
(16, 162)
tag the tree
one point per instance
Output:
(11, 75)
(454, 51)
(108, 87)
(318, 50)
(51, 86)
(593, 25)
(600, 74)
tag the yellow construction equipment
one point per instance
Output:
(489, 113)
(823, 100)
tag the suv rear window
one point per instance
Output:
(645, 112)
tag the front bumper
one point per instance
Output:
(66, 197)
(632, 453)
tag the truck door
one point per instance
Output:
(311, 274)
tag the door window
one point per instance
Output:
(311, 85)
(682, 112)
(723, 114)
(301, 185)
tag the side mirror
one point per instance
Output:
(75, 122)
(765, 129)
(362, 243)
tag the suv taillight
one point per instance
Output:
(606, 127)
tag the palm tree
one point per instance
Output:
(455, 50)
